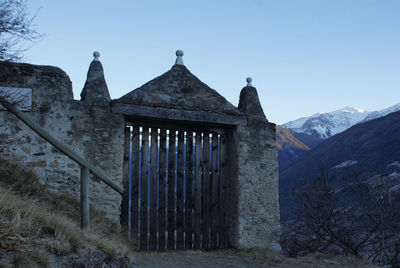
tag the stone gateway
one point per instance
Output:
(197, 171)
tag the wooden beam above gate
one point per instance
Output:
(179, 115)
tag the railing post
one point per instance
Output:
(84, 197)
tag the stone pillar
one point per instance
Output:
(95, 91)
(103, 134)
(254, 216)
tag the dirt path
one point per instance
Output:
(239, 258)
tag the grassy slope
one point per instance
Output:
(38, 228)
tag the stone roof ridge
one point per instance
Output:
(178, 88)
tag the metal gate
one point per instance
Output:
(176, 181)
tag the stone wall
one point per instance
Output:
(89, 130)
(92, 131)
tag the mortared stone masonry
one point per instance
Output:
(94, 128)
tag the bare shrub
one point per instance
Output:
(344, 217)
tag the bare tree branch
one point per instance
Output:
(17, 30)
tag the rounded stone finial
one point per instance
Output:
(249, 80)
(179, 60)
(96, 55)
(179, 53)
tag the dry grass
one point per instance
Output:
(25, 182)
(34, 232)
(12, 234)
(34, 258)
(26, 225)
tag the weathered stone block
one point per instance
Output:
(41, 163)
(53, 163)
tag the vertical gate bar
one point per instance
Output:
(179, 191)
(223, 193)
(130, 185)
(135, 167)
(214, 191)
(206, 192)
(144, 190)
(189, 204)
(197, 192)
(171, 191)
(125, 199)
(184, 188)
(161, 191)
(153, 190)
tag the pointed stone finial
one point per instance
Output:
(96, 56)
(95, 91)
(179, 60)
(249, 80)
(249, 103)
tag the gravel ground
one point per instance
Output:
(239, 258)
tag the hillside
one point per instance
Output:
(289, 148)
(366, 147)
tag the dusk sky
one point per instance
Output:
(304, 56)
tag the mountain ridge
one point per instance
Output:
(314, 129)
(365, 147)
(323, 125)
(383, 112)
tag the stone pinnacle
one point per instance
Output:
(95, 91)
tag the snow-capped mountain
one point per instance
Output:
(314, 129)
(324, 125)
(381, 113)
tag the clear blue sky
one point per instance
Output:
(304, 56)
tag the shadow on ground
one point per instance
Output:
(232, 258)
